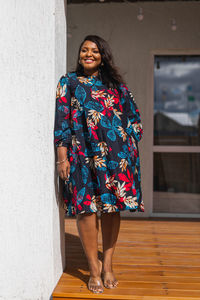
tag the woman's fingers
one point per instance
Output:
(68, 170)
(64, 171)
(65, 176)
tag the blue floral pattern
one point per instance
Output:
(101, 128)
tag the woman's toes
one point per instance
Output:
(99, 289)
(95, 285)
(109, 284)
(110, 281)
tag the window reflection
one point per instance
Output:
(177, 100)
(176, 182)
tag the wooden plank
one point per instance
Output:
(133, 297)
(134, 284)
(135, 253)
(82, 291)
(124, 293)
(136, 298)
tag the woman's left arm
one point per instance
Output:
(62, 129)
(132, 111)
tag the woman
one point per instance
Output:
(97, 130)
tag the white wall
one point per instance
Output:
(32, 225)
(133, 44)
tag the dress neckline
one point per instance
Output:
(90, 76)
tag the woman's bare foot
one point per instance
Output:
(95, 283)
(110, 282)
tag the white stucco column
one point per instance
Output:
(33, 57)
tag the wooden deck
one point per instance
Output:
(154, 260)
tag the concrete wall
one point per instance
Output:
(32, 224)
(133, 44)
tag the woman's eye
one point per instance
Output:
(94, 51)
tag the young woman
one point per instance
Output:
(97, 130)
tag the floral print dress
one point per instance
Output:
(101, 128)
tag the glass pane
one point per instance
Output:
(177, 100)
(176, 182)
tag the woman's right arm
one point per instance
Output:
(62, 130)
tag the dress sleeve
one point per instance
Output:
(132, 111)
(62, 129)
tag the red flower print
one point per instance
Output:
(87, 202)
(88, 197)
(128, 179)
(64, 99)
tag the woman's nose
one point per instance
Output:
(89, 53)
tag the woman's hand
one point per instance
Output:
(64, 170)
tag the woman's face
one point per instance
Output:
(90, 58)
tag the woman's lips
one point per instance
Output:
(89, 61)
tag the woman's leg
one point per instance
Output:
(87, 225)
(110, 224)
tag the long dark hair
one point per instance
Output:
(108, 72)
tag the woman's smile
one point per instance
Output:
(89, 61)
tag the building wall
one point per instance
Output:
(133, 44)
(33, 56)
